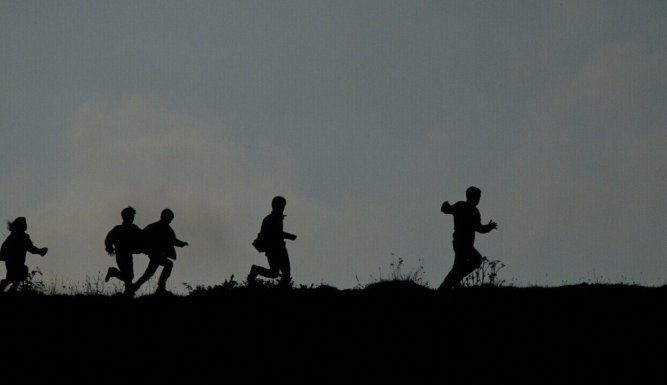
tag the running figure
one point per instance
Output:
(123, 241)
(467, 221)
(13, 252)
(159, 240)
(273, 238)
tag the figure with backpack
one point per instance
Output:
(271, 240)
(159, 240)
(13, 252)
(123, 241)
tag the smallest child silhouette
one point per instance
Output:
(13, 253)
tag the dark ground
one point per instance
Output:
(386, 333)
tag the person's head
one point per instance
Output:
(18, 226)
(167, 216)
(128, 214)
(473, 194)
(278, 204)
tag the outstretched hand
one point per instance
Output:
(43, 251)
(493, 225)
(291, 237)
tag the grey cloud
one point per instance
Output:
(138, 153)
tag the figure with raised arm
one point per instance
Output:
(467, 222)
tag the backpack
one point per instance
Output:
(259, 243)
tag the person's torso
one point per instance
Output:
(466, 220)
(127, 238)
(158, 237)
(15, 247)
(272, 231)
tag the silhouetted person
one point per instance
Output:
(159, 241)
(13, 252)
(273, 237)
(123, 241)
(467, 221)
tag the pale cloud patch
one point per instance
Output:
(141, 154)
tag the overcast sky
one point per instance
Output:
(365, 115)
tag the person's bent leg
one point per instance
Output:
(284, 267)
(113, 273)
(153, 264)
(454, 276)
(452, 279)
(14, 287)
(21, 274)
(12, 276)
(126, 270)
(273, 270)
(264, 272)
(5, 282)
(167, 266)
(472, 262)
(16, 273)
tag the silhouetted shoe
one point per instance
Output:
(163, 291)
(134, 288)
(251, 279)
(108, 276)
(129, 291)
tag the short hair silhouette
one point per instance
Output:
(128, 213)
(278, 202)
(473, 192)
(167, 215)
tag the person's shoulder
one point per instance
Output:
(151, 225)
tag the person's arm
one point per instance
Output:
(289, 236)
(483, 229)
(179, 243)
(108, 243)
(446, 208)
(35, 250)
(171, 235)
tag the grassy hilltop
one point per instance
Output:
(387, 332)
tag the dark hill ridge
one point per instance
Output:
(386, 333)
